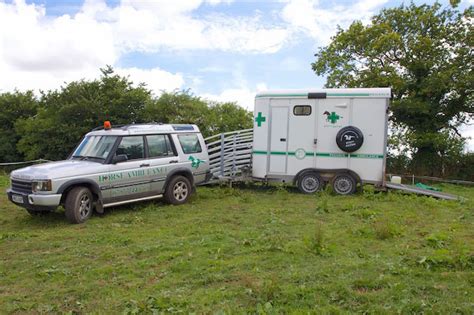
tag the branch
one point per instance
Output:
(456, 131)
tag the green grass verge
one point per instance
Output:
(249, 249)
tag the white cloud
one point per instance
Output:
(309, 17)
(156, 79)
(244, 96)
(38, 51)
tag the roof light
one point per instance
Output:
(107, 125)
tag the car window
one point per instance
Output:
(132, 147)
(190, 143)
(159, 146)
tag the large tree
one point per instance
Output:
(425, 53)
(14, 106)
(65, 115)
(211, 117)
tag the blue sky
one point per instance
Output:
(224, 50)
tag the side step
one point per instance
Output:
(421, 191)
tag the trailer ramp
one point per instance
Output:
(230, 155)
(421, 191)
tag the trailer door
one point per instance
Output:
(278, 139)
(301, 135)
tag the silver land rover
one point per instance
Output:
(114, 166)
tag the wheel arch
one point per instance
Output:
(179, 171)
(65, 188)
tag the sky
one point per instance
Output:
(222, 50)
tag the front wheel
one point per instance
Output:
(344, 184)
(79, 205)
(178, 190)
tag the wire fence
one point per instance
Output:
(24, 162)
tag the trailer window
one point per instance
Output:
(190, 143)
(302, 110)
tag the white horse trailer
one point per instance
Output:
(314, 137)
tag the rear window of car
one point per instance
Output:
(190, 143)
(159, 146)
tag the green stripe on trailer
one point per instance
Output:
(283, 95)
(324, 154)
(327, 94)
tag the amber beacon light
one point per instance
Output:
(107, 125)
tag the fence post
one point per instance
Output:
(222, 154)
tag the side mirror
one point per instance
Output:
(119, 158)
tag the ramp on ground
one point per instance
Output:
(421, 191)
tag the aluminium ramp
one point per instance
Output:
(421, 191)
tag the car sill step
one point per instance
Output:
(130, 201)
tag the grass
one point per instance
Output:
(249, 249)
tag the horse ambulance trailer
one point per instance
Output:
(314, 137)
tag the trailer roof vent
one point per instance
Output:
(317, 95)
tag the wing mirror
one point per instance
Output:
(119, 158)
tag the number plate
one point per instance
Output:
(17, 198)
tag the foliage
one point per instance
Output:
(13, 107)
(64, 116)
(182, 107)
(271, 254)
(52, 128)
(425, 53)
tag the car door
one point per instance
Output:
(130, 179)
(161, 156)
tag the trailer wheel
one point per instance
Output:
(310, 182)
(344, 184)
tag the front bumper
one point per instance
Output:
(33, 201)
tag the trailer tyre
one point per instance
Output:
(349, 139)
(310, 182)
(344, 184)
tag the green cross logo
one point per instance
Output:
(195, 161)
(332, 117)
(260, 119)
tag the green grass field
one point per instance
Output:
(250, 249)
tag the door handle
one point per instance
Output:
(282, 139)
(145, 165)
(173, 161)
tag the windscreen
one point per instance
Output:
(95, 147)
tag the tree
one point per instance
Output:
(182, 107)
(64, 116)
(13, 107)
(425, 53)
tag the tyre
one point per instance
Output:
(344, 184)
(310, 182)
(178, 190)
(349, 139)
(79, 205)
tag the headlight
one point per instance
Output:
(41, 185)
